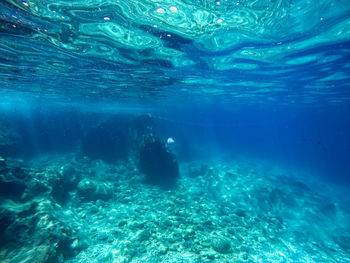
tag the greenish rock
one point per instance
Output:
(103, 192)
(174, 247)
(162, 249)
(222, 246)
(122, 223)
(91, 190)
(187, 244)
(12, 188)
(195, 249)
(210, 256)
(167, 223)
(144, 235)
(86, 188)
(70, 177)
(241, 213)
(58, 191)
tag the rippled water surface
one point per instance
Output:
(243, 51)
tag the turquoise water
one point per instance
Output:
(174, 131)
(232, 52)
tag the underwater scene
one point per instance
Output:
(190, 131)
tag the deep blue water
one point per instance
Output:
(309, 138)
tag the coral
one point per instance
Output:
(228, 215)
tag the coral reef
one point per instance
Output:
(75, 209)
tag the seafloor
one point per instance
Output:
(68, 208)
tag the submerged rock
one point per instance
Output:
(109, 140)
(104, 191)
(6, 219)
(86, 187)
(143, 235)
(159, 165)
(90, 190)
(11, 188)
(70, 177)
(40, 253)
(58, 192)
(116, 138)
(222, 246)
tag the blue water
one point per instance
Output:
(174, 131)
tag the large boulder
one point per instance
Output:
(11, 186)
(221, 245)
(115, 138)
(158, 163)
(90, 190)
(6, 219)
(109, 140)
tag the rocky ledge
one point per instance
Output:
(72, 209)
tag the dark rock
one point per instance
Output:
(110, 140)
(65, 248)
(122, 223)
(70, 177)
(241, 213)
(167, 223)
(58, 192)
(6, 219)
(39, 253)
(144, 235)
(103, 192)
(68, 172)
(19, 172)
(158, 163)
(222, 246)
(12, 230)
(208, 223)
(37, 187)
(210, 256)
(86, 188)
(195, 249)
(27, 210)
(162, 249)
(187, 244)
(91, 191)
(12, 189)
